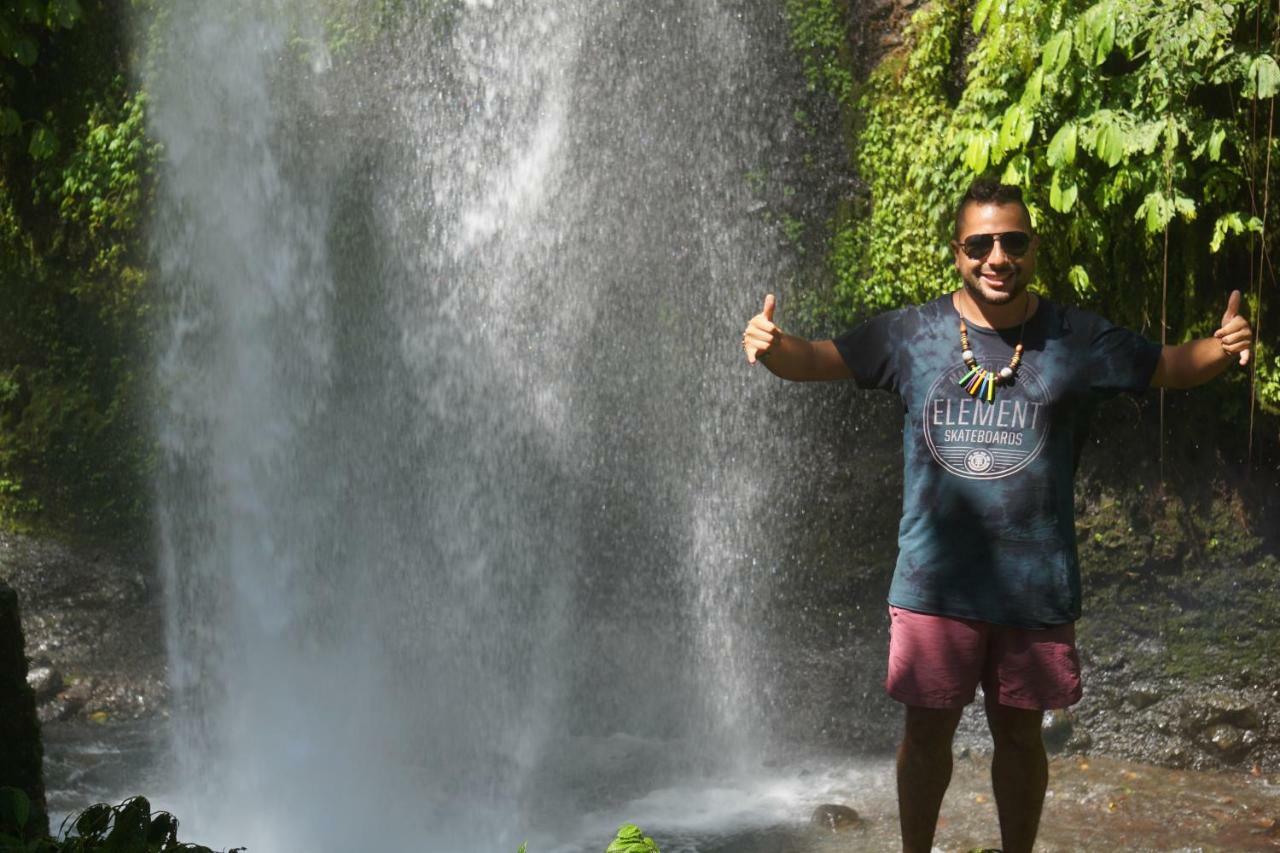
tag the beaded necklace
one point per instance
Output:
(979, 381)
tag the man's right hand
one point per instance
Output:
(761, 334)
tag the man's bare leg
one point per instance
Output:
(1019, 774)
(924, 771)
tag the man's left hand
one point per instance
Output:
(1235, 333)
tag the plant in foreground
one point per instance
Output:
(131, 827)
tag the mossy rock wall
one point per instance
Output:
(21, 753)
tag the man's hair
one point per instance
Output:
(990, 191)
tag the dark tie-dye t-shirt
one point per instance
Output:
(988, 515)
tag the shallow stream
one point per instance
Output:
(1093, 803)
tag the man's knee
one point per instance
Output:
(931, 728)
(1015, 728)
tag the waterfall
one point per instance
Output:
(462, 484)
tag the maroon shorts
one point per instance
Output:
(938, 661)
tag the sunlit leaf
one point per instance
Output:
(1104, 35)
(1233, 223)
(1056, 52)
(1062, 148)
(1016, 129)
(1079, 279)
(980, 11)
(1263, 80)
(1062, 195)
(1109, 143)
(1034, 90)
(1216, 138)
(1155, 211)
(978, 152)
(1016, 170)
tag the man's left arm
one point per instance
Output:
(1196, 362)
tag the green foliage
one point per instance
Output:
(130, 827)
(890, 253)
(818, 36)
(75, 169)
(1119, 119)
(631, 840)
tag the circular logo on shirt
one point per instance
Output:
(980, 440)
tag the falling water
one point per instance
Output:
(460, 486)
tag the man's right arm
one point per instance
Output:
(786, 355)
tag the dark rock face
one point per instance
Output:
(21, 755)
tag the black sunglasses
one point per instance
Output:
(1014, 243)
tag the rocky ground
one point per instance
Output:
(93, 627)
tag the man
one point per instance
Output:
(997, 384)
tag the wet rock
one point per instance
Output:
(44, 681)
(836, 817)
(1057, 730)
(1218, 708)
(75, 697)
(1226, 738)
(1141, 697)
(93, 612)
(1231, 743)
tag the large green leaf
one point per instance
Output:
(10, 122)
(980, 12)
(1057, 51)
(1016, 129)
(1034, 89)
(1078, 276)
(1263, 80)
(1062, 195)
(1103, 32)
(1109, 143)
(1155, 211)
(1216, 138)
(1062, 148)
(977, 152)
(631, 840)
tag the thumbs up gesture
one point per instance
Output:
(761, 334)
(1235, 333)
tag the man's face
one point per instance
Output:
(999, 276)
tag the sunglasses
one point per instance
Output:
(1014, 244)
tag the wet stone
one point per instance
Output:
(1231, 743)
(1141, 697)
(1057, 730)
(44, 681)
(1226, 738)
(836, 817)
